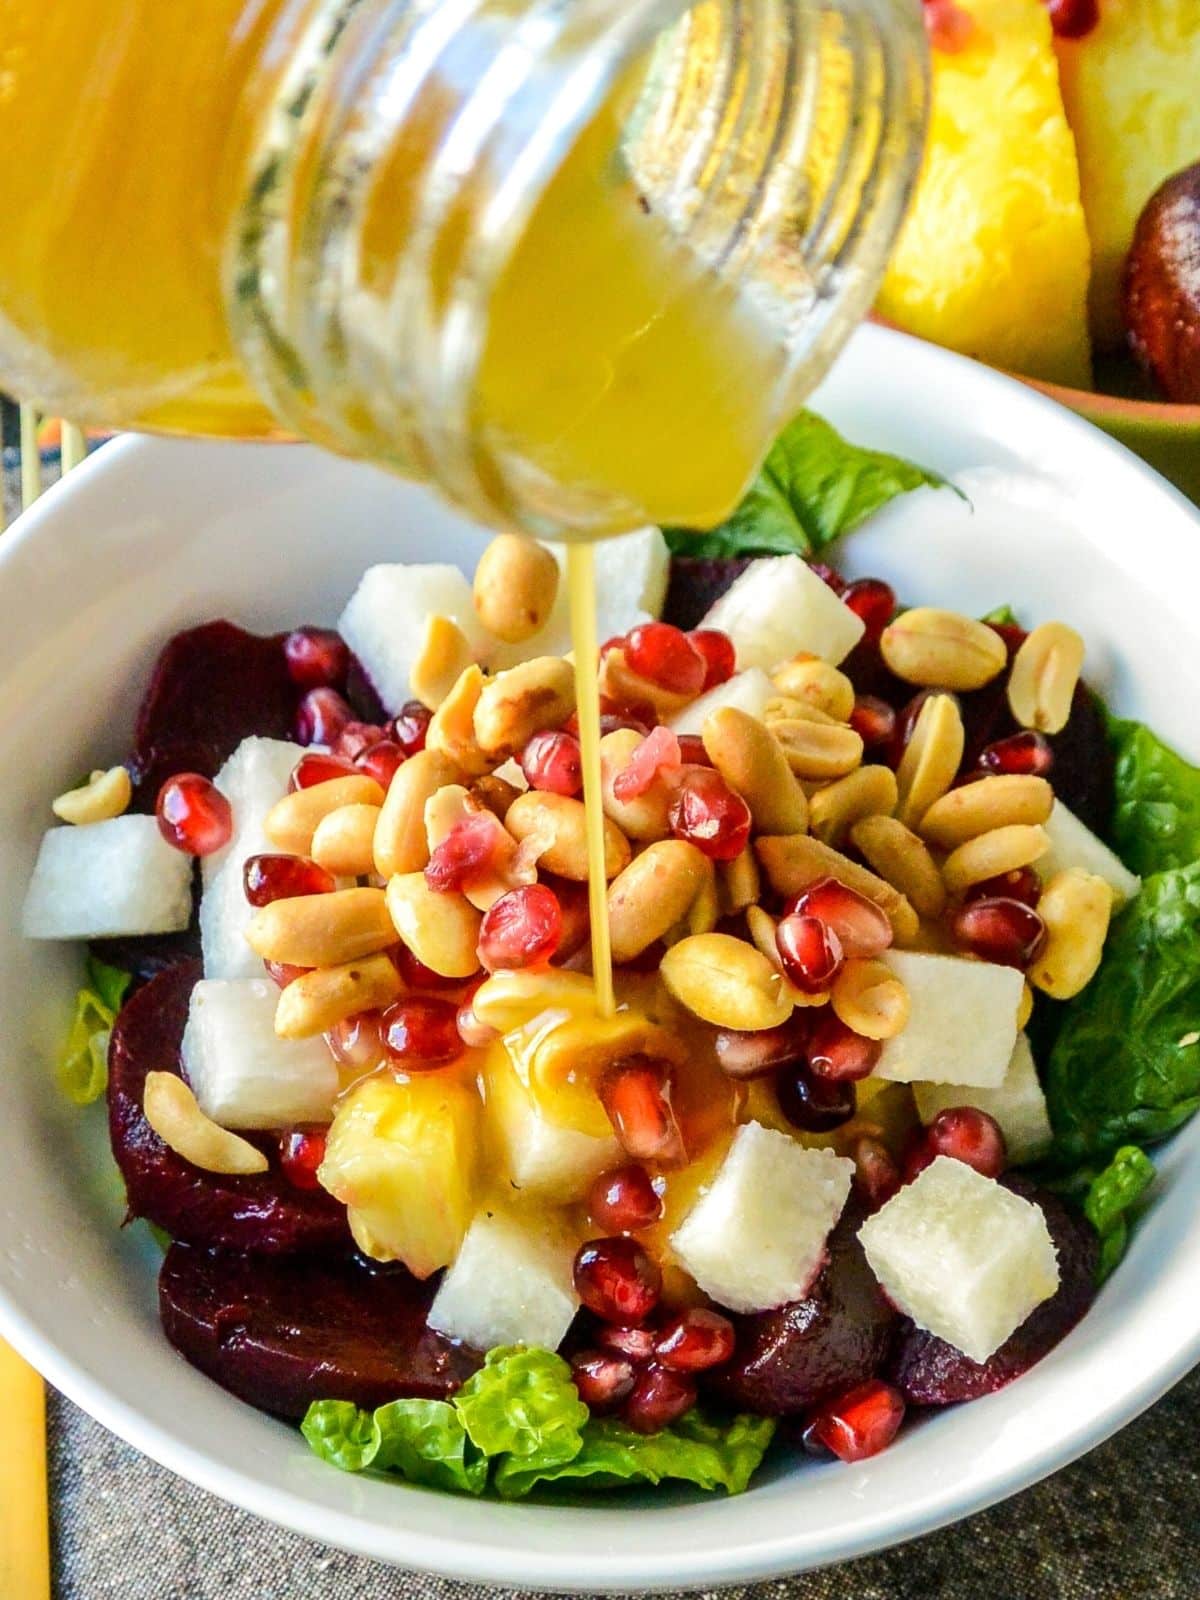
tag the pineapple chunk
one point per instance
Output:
(537, 1156)
(746, 691)
(964, 1257)
(403, 1158)
(993, 260)
(1073, 844)
(1018, 1105)
(962, 1022)
(105, 879)
(756, 1239)
(384, 620)
(510, 1284)
(779, 606)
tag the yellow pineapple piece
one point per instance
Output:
(993, 260)
(1132, 93)
(403, 1157)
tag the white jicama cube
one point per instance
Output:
(1018, 1105)
(1073, 844)
(241, 1072)
(511, 1283)
(779, 606)
(105, 879)
(384, 621)
(537, 1156)
(746, 691)
(756, 1239)
(964, 1257)
(962, 1022)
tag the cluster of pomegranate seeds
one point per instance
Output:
(317, 768)
(658, 753)
(317, 658)
(873, 601)
(193, 814)
(321, 716)
(521, 929)
(876, 1174)
(617, 1279)
(410, 726)
(1000, 929)
(707, 813)
(813, 1104)
(666, 657)
(552, 762)
(301, 1152)
(1073, 19)
(357, 1041)
(965, 1134)
(1027, 754)
(422, 1031)
(857, 1424)
(810, 951)
(837, 1053)
(861, 927)
(720, 656)
(753, 1055)
(282, 973)
(381, 762)
(623, 1200)
(873, 720)
(472, 848)
(636, 1095)
(281, 877)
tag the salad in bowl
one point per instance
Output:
(904, 933)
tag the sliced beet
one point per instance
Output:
(260, 1213)
(1083, 763)
(930, 1372)
(148, 954)
(280, 1332)
(835, 1338)
(360, 692)
(696, 583)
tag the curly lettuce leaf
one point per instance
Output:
(1003, 616)
(523, 1403)
(109, 984)
(1156, 821)
(341, 1434)
(83, 1066)
(1111, 1196)
(813, 487)
(425, 1442)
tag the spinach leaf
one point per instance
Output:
(1156, 823)
(1112, 1195)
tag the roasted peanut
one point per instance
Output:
(931, 759)
(322, 930)
(1076, 907)
(443, 657)
(315, 1001)
(400, 840)
(752, 762)
(991, 854)
(654, 892)
(515, 585)
(807, 677)
(705, 911)
(942, 649)
(836, 807)
(509, 1000)
(645, 817)
(344, 841)
(988, 803)
(494, 793)
(563, 822)
(172, 1111)
(292, 821)
(516, 704)
(739, 882)
(869, 998)
(451, 730)
(727, 982)
(1025, 1009)
(105, 795)
(1044, 676)
(903, 860)
(786, 708)
(441, 930)
(794, 862)
(818, 750)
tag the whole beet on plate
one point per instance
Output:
(280, 1332)
(259, 1213)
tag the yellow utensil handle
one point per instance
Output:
(24, 1524)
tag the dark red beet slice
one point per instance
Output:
(1083, 763)
(837, 1337)
(261, 1213)
(282, 1332)
(360, 692)
(930, 1372)
(696, 583)
(148, 954)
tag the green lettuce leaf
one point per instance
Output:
(1004, 615)
(1156, 822)
(813, 487)
(109, 984)
(523, 1403)
(83, 1066)
(1111, 1196)
(425, 1442)
(341, 1434)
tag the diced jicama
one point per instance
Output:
(1073, 844)
(1017, 1104)
(384, 622)
(107, 879)
(756, 1239)
(746, 691)
(243, 1075)
(539, 1157)
(965, 1258)
(780, 606)
(962, 1022)
(510, 1284)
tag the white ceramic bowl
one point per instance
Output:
(152, 536)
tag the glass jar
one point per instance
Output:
(573, 262)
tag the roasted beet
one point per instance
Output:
(1082, 774)
(282, 1332)
(1161, 291)
(148, 954)
(930, 1372)
(360, 692)
(696, 583)
(833, 1339)
(261, 1213)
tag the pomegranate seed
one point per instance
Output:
(1074, 19)
(624, 1200)
(301, 1152)
(720, 657)
(660, 1397)
(355, 739)
(474, 848)
(635, 1344)
(666, 657)
(753, 1055)
(193, 814)
(708, 814)
(382, 762)
(357, 1041)
(876, 1174)
(636, 1094)
(1026, 753)
(281, 973)
(617, 1279)
(317, 768)
(409, 727)
(828, 576)
(1005, 931)
(552, 762)
(321, 716)
(416, 974)
(521, 929)
(836, 1051)
(815, 1105)
(640, 716)
(873, 601)
(810, 951)
(603, 1380)
(692, 752)
(949, 27)
(422, 1031)
(658, 752)
(317, 658)
(272, 877)
(1022, 884)
(965, 1134)
(873, 720)
(695, 1340)
(862, 928)
(859, 1423)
